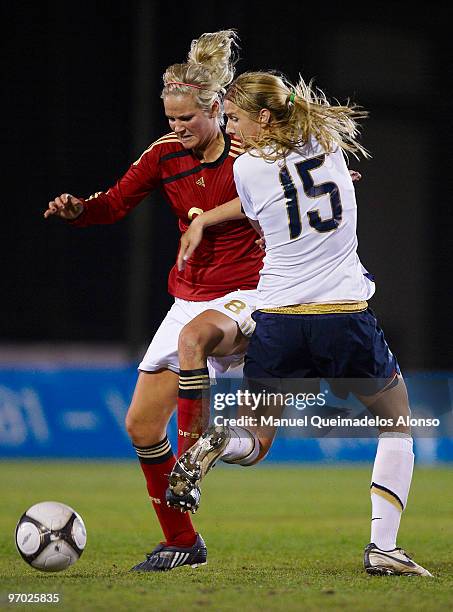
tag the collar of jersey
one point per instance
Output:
(224, 154)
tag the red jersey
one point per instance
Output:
(227, 259)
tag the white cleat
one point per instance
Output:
(394, 562)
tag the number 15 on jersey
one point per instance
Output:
(311, 190)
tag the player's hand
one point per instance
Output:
(189, 242)
(261, 243)
(356, 176)
(65, 206)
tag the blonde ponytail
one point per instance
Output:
(207, 72)
(298, 113)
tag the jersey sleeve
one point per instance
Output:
(246, 202)
(110, 206)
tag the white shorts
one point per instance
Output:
(163, 350)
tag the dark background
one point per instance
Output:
(82, 86)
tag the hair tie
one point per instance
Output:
(292, 97)
(186, 84)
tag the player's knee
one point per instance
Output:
(197, 342)
(143, 433)
(130, 424)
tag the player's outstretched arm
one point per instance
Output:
(65, 206)
(194, 235)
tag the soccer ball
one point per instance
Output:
(50, 536)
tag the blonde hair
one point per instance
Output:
(207, 72)
(298, 113)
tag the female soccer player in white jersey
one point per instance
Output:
(313, 319)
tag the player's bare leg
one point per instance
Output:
(390, 403)
(152, 405)
(211, 333)
(390, 484)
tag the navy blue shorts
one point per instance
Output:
(331, 346)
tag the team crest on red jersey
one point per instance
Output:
(201, 182)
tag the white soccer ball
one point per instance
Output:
(50, 536)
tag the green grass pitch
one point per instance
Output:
(278, 537)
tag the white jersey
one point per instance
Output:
(306, 207)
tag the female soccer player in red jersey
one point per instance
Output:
(192, 166)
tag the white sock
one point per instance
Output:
(391, 481)
(243, 447)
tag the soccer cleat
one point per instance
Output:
(184, 502)
(164, 558)
(394, 562)
(192, 467)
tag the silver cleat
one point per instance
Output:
(192, 467)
